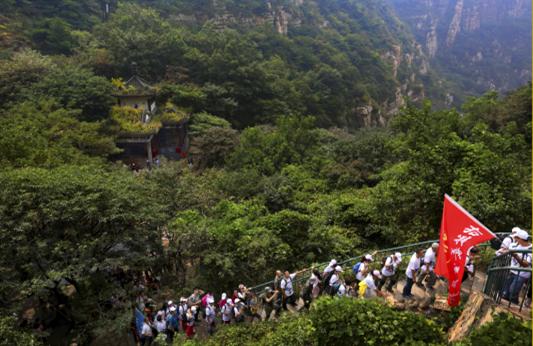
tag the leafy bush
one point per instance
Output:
(365, 322)
(10, 335)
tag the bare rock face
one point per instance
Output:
(455, 25)
(482, 44)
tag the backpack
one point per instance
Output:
(355, 268)
(286, 282)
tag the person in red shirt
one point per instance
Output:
(189, 329)
(222, 301)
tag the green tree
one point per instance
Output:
(45, 135)
(75, 237)
(77, 88)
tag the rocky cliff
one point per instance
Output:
(377, 33)
(476, 44)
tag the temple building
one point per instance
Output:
(147, 131)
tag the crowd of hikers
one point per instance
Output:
(365, 281)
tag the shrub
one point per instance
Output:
(367, 322)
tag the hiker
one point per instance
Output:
(368, 287)
(334, 281)
(327, 274)
(519, 260)
(277, 279)
(330, 267)
(238, 310)
(210, 315)
(160, 324)
(388, 272)
(268, 299)
(203, 301)
(147, 336)
(312, 288)
(360, 269)
(412, 269)
(469, 264)
(288, 290)
(243, 291)
(191, 318)
(426, 270)
(172, 323)
(507, 242)
(182, 313)
(222, 300)
(341, 290)
(253, 307)
(195, 299)
(226, 311)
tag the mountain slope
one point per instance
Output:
(350, 63)
(476, 44)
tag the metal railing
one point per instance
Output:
(378, 255)
(500, 277)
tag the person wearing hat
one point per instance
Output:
(411, 271)
(222, 300)
(388, 272)
(518, 260)
(334, 281)
(189, 329)
(160, 323)
(426, 270)
(360, 269)
(210, 315)
(227, 311)
(329, 268)
(507, 242)
(368, 287)
(172, 323)
(182, 313)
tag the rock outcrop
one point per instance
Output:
(476, 44)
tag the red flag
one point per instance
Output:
(459, 231)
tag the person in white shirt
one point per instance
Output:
(362, 268)
(160, 323)
(331, 267)
(410, 272)
(238, 311)
(518, 260)
(147, 337)
(226, 311)
(369, 285)
(507, 242)
(341, 291)
(388, 272)
(426, 270)
(287, 289)
(210, 315)
(182, 312)
(334, 281)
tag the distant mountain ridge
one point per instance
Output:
(477, 45)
